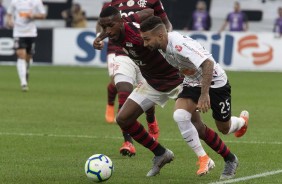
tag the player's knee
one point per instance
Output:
(122, 120)
(181, 115)
(124, 86)
(21, 54)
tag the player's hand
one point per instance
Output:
(98, 44)
(204, 103)
(29, 16)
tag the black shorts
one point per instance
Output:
(27, 43)
(220, 100)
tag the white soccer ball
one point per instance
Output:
(99, 167)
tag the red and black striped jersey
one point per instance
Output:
(154, 68)
(128, 7)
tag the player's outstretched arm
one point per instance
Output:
(36, 16)
(167, 23)
(144, 14)
(10, 22)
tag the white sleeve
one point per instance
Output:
(194, 51)
(40, 7)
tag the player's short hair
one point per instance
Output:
(150, 23)
(109, 11)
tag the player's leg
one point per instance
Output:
(111, 91)
(125, 76)
(134, 106)
(30, 50)
(212, 139)
(20, 47)
(153, 127)
(184, 108)
(124, 88)
(28, 64)
(221, 107)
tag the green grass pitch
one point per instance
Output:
(47, 134)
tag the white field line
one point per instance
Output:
(110, 137)
(249, 177)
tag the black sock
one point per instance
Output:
(159, 150)
(127, 137)
(230, 157)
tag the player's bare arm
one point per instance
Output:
(223, 26)
(144, 14)
(167, 23)
(98, 42)
(36, 16)
(204, 100)
(10, 22)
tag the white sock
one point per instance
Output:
(188, 131)
(236, 124)
(21, 66)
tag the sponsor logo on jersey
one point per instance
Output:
(187, 72)
(142, 3)
(129, 44)
(133, 53)
(178, 48)
(193, 50)
(130, 3)
(138, 62)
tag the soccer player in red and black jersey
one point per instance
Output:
(125, 87)
(162, 82)
(128, 7)
(160, 86)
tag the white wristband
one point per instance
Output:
(97, 34)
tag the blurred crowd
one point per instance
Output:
(237, 20)
(75, 16)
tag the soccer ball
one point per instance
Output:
(99, 167)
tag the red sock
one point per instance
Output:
(112, 93)
(140, 135)
(126, 137)
(214, 141)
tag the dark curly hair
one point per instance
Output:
(150, 23)
(109, 11)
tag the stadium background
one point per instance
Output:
(256, 49)
(47, 134)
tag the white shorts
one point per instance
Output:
(123, 65)
(110, 61)
(146, 96)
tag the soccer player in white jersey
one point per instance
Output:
(21, 15)
(205, 84)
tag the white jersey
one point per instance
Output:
(187, 55)
(24, 27)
